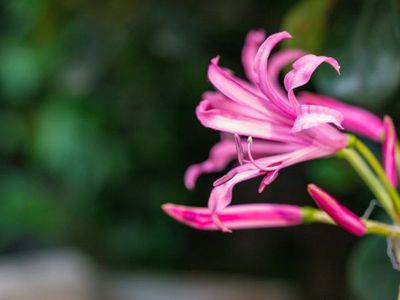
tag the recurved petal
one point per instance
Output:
(340, 215)
(301, 73)
(237, 216)
(356, 119)
(252, 42)
(221, 195)
(277, 63)
(314, 115)
(220, 155)
(231, 122)
(261, 67)
(389, 150)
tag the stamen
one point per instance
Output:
(266, 169)
(239, 149)
(217, 221)
(267, 180)
(370, 209)
(392, 245)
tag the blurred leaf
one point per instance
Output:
(20, 71)
(367, 45)
(13, 131)
(306, 22)
(69, 141)
(331, 173)
(27, 207)
(24, 14)
(371, 274)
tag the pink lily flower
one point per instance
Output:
(340, 215)
(389, 150)
(238, 216)
(260, 109)
(356, 119)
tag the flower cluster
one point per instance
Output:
(268, 128)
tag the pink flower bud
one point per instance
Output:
(340, 215)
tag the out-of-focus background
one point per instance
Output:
(97, 127)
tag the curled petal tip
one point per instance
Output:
(285, 34)
(215, 60)
(190, 178)
(334, 63)
(258, 34)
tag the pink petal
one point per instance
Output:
(315, 115)
(238, 216)
(252, 43)
(356, 119)
(341, 215)
(232, 88)
(231, 122)
(302, 71)
(389, 150)
(221, 195)
(278, 61)
(220, 155)
(261, 67)
(326, 137)
(219, 101)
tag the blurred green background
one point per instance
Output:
(97, 127)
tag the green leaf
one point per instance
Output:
(371, 274)
(366, 41)
(307, 21)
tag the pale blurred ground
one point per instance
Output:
(69, 275)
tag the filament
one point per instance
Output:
(239, 149)
(266, 169)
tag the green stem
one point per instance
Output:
(377, 167)
(312, 215)
(370, 180)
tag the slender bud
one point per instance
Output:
(389, 150)
(340, 215)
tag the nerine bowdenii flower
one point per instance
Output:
(282, 130)
(266, 127)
